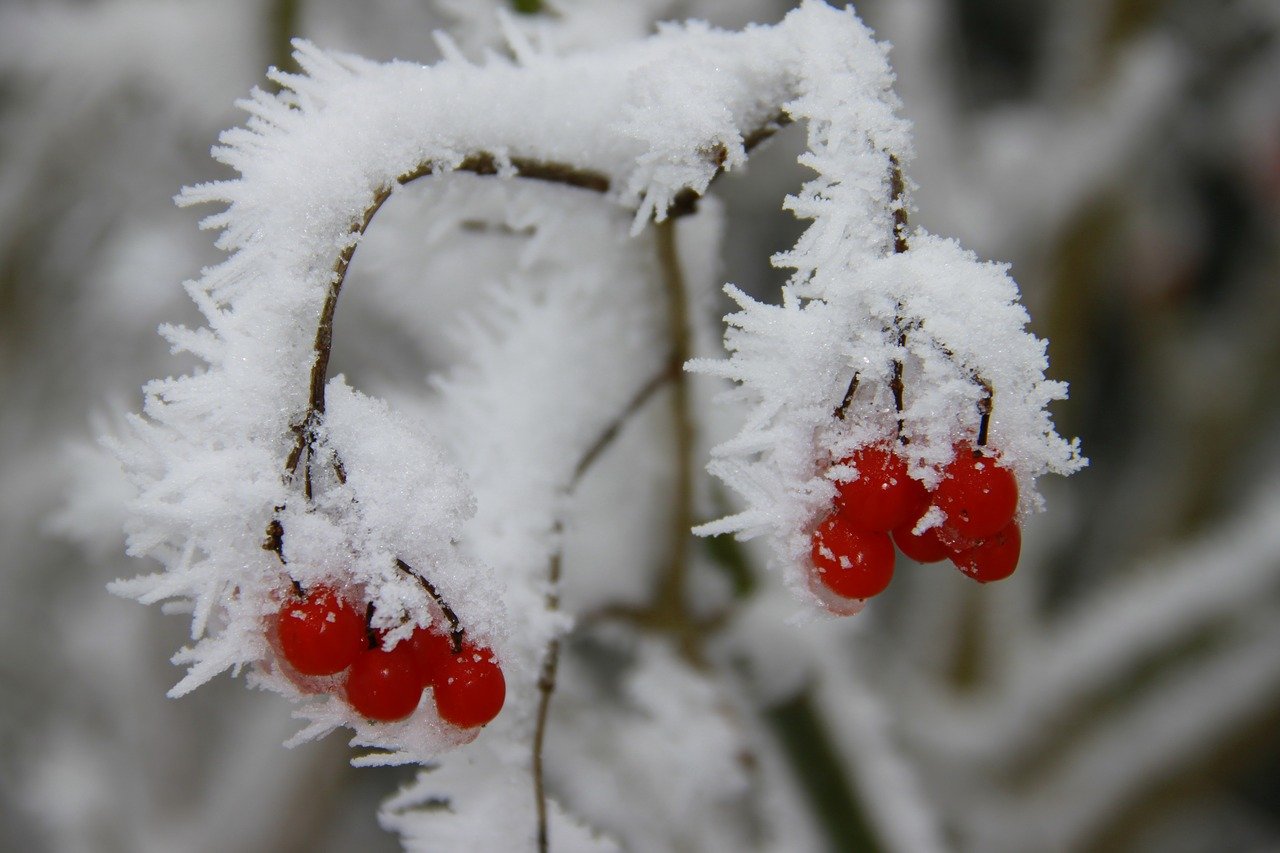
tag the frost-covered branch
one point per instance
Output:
(452, 519)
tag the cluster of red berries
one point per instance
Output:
(321, 633)
(852, 549)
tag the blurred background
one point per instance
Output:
(1121, 693)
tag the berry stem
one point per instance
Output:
(843, 408)
(370, 636)
(984, 411)
(895, 383)
(898, 204)
(455, 625)
(274, 539)
(898, 208)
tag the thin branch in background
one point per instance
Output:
(670, 598)
(551, 656)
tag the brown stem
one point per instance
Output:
(480, 163)
(546, 686)
(456, 630)
(843, 408)
(896, 385)
(370, 635)
(984, 410)
(671, 585)
(274, 540)
(898, 206)
(551, 657)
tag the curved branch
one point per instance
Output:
(479, 163)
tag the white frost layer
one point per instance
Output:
(655, 118)
(793, 364)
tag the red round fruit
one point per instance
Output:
(882, 496)
(923, 548)
(470, 690)
(994, 558)
(977, 495)
(320, 633)
(384, 685)
(851, 563)
(431, 652)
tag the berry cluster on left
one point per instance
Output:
(329, 646)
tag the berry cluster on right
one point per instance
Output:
(322, 634)
(852, 549)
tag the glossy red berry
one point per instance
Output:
(882, 495)
(470, 689)
(994, 558)
(977, 495)
(851, 563)
(431, 652)
(926, 547)
(384, 685)
(320, 633)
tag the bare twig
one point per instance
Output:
(551, 657)
(898, 204)
(843, 408)
(898, 207)
(456, 630)
(671, 584)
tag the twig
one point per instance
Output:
(546, 687)
(455, 625)
(551, 657)
(898, 204)
(480, 163)
(671, 585)
(898, 207)
(984, 410)
(843, 408)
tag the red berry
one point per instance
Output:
(994, 558)
(431, 652)
(883, 494)
(924, 548)
(383, 684)
(470, 689)
(851, 563)
(978, 496)
(320, 634)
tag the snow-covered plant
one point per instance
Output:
(275, 495)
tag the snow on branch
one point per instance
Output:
(254, 443)
(264, 485)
